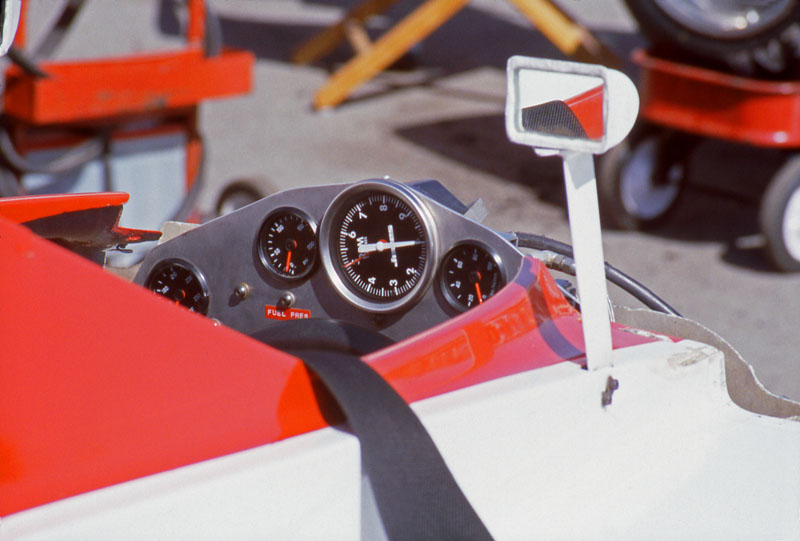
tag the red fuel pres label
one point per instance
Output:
(273, 312)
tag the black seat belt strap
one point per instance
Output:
(416, 495)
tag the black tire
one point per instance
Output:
(770, 50)
(236, 195)
(779, 216)
(640, 181)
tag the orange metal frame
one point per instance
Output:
(86, 90)
(107, 93)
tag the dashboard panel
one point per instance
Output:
(396, 258)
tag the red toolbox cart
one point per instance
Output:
(640, 180)
(117, 124)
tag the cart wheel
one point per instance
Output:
(239, 194)
(641, 179)
(780, 216)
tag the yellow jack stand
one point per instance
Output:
(569, 37)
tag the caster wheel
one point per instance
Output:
(640, 180)
(779, 216)
(237, 195)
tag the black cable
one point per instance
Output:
(613, 275)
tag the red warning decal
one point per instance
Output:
(273, 312)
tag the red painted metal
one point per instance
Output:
(77, 91)
(588, 107)
(103, 381)
(707, 102)
(32, 207)
(159, 89)
(196, 25)
(92, 89)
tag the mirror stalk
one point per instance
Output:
(587, 245)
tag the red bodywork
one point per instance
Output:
(102, 231)
(588, 108)
(707, 102)
(28, 208)
(103, 381)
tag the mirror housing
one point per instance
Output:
(568, 106)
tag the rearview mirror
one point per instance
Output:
(560, 105)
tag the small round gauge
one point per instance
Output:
(287, 244)
(378, 246)
(470, 274)
(181, 283)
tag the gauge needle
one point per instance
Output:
(353, 262)
(392, 246)
(288, 260)
(478, 291)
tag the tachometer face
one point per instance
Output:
(379, 246)
(287, 244)
(179, 282)
(470, 275)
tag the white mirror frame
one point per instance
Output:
(620, 105)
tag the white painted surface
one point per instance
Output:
(587, 246)
(536, 454)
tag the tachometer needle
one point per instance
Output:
(353, 262)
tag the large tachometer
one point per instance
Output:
(378, 245)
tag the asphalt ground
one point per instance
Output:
(442, 117)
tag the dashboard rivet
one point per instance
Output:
(242, 290)
(286, 300)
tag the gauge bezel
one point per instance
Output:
(448, 296)
(267, 263)
(329, 228)
(199, 276)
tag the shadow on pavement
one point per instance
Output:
(720, 203)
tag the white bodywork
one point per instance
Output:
(536, 454)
